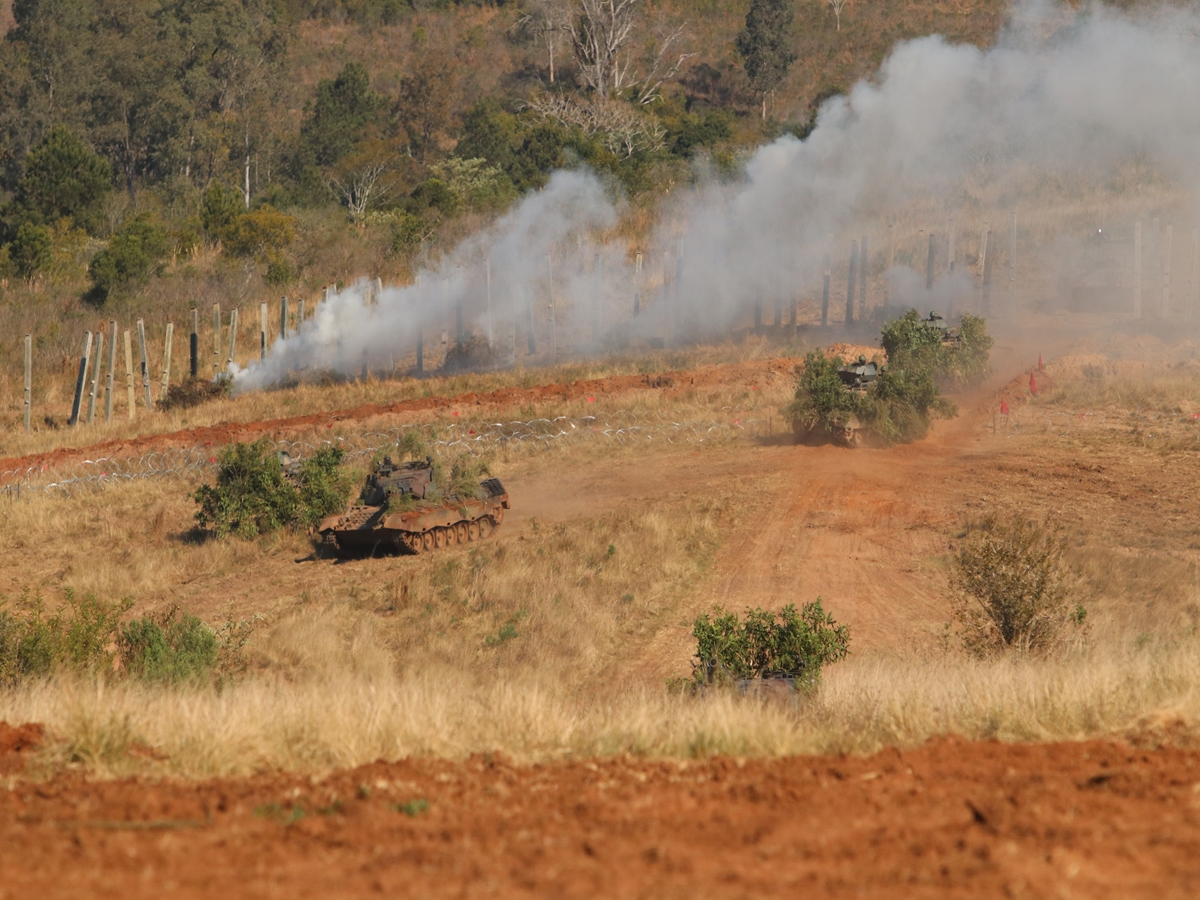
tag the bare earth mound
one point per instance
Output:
(948, 819)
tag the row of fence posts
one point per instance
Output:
(92, 361)
(1166, 245)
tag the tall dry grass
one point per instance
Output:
(349, 707)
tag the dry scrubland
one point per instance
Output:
(546, 641)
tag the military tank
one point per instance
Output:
(401, 509)
(951, 337)
(844, 427)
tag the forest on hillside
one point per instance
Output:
(155, 153)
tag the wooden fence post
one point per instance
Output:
(233, 327)
(216, 339)
(28, 381)
(95, 382)
(487, 271)
(112, 365)
(1137, 269)
(1166, 270)
(851, 278)
(164, 393)
(81, 379)
(283, 318)
(825, 294)
(129, 376)
(862, 277)
(299, 313)
(141, 330)
(262, 332)
(194, 346)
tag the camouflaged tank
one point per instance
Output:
(402, 509)
(845, 428)
(951, 337)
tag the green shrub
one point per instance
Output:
(130, 255)
(912, 345)
(1012, 588)
(168, 648)
(322, 485)
(74, 639)
(252, 495)
(764, 644)
(31, 250)
(465, 473)
(822, 400)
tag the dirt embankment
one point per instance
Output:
(947, 819)
(747, 374)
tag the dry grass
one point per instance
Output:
(349, 707)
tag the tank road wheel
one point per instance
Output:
(473, 530)
(439, 538)
(410, 542)
(461, 533)
(451, 535)
(485, 527)
(427, 541)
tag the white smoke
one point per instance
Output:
(1063, 94)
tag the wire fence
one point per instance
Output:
(623, 427)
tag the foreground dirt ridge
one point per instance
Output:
(951, 818)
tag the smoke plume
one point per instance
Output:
(1064, 96)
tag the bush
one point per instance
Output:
(1011, 588)
(911, 344)
(822, 400)
(129, 257)
(253, 496)
(168, 647)
(75, 639)
(322, 485)
(261, 234)
(896, 407)
(30, 251)
(764, 644)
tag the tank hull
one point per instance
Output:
(369, 529)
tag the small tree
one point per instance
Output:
(1012, 588)
(63, 178)
(787, 643)
(30, 251)
(765, 44)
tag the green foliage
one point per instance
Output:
(30, 251)
(252, 496)
(76, 638)
(261, 234)
(167, 648)
(63, 178)
(322, 485)
(341, 115)
(1012, 588)
(902, 403)
(822, 400)
(476, 184)
(911, 344)
(765, 643)
(465, 473)
(221, 205)
(765, 44)
(130, 255)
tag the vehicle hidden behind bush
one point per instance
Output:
(787, 648)
(257, 493)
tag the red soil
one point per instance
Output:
(948, 819)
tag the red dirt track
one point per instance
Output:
(949, 819)
(218, 435)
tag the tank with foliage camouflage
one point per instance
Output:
(862, 402)
(411, 507)
(953, 355)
